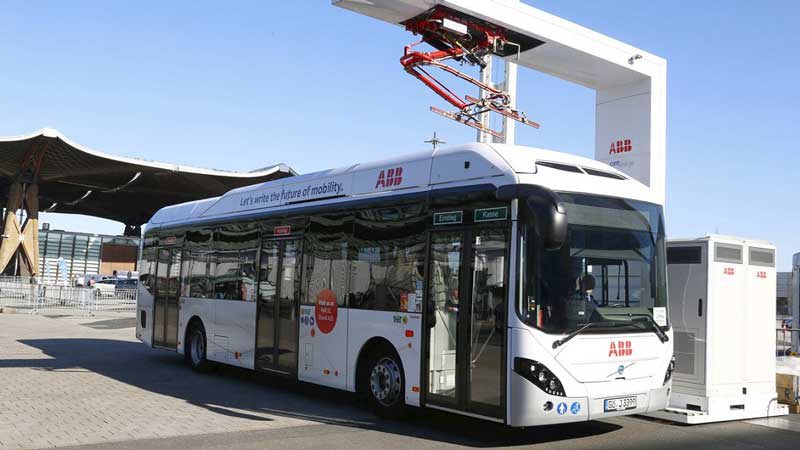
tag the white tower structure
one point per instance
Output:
(796, 300)
(507, 83)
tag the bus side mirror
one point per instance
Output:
(545, 206)
(551, 221)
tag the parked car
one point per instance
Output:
(106, 287)
(127, 283)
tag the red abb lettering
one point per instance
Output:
(620, 348)
(389, 177)
(621, 146)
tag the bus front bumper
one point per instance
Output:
(529, 406)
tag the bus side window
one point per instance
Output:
(236, 247)
(326, 268)
(196, 271)
(387, 253)
(386, 276)
(325, 263)
(147, 269)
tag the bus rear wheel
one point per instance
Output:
(385, 385)
(196, 349)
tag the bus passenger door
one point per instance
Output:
(166, 302)
(465, 315)
(278, 298)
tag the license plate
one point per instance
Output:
(619, 404)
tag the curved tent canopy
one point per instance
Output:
(74, 179)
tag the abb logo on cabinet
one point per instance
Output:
(389, 178)
(620, 348)
(761, 275)
(623, 146)
(728, 271)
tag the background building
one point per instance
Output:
(83, 253)
(784, 294)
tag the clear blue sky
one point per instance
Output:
(250, 84)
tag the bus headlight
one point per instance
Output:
(538, 374)
(670, 369)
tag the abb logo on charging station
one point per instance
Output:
(389, 178)
(621, 146)
(728, 271)
(620, 348)
(761, 274)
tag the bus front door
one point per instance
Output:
(166, 301)
(465, 314)
(278, 300)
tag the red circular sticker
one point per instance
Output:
(326, 311)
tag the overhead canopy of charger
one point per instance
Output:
(73, 179)
(630, 119)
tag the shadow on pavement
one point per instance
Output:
(242, 393)
(112, 324)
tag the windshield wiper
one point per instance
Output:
(655, 326)
(566, 338)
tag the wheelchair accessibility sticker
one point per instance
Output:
(575, 408)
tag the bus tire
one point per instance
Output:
(196, 345)
(384, 384)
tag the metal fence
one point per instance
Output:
(41, 297)
(786, 340)
(14, 279)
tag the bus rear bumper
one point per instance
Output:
(144, 325)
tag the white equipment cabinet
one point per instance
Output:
(722, 307)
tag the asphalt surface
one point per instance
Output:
(441, 432)
(86, 381)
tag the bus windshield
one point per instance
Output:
(610, 270)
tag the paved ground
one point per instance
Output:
(85, 382)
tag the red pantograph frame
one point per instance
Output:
(493, 99)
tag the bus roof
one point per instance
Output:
(450, 167)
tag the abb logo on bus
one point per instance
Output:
(728, 271)
(390, 177)
(620, 348)
(761, 275)
(623, 146)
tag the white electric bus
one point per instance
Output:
(509, 283)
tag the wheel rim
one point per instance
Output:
(385, 382)
(198, 348)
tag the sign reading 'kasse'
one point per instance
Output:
(491, 214)
(281, 195)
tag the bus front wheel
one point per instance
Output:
(385, 384)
